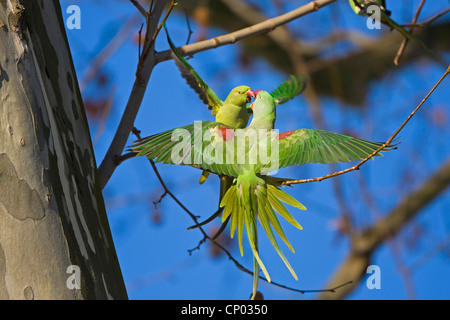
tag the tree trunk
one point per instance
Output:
(55, 241)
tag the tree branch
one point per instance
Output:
(367, 242)
(384, 145)
(405, 40)
(427, 22)
(259, 28)
(143, 72)
(139, 7)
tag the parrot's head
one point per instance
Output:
(264, 104)
(240, 96)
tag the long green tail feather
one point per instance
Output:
(255, 264)
(257, 198)
(250, 227)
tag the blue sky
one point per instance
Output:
(154, 257)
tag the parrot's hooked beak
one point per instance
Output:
(255, 94)
(250, 95)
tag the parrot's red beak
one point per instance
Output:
(250, 95)
(254, 94)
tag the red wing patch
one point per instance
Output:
(285, 134)
(227, 133)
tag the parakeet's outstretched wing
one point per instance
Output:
(289, 89)
(206, 94)
(298, 147)
(207, 145)
(218, 153)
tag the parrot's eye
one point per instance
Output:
(239, 92)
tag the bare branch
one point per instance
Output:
(366, 243)
(384, 145)
(427, 22)
(143, 72)
(259, 28)
(139, 7)
(405, 40)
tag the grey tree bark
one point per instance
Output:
(55, 241)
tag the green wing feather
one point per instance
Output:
(206, 94)
(253, 197)
(303, 146)
(189, 145)
(289, 89)
(296, 147)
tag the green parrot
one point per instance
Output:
(233, 112)
(253, 195)
(283, 93)
(360, 8)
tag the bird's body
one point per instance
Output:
(232, 115)
(245, 157)
(233, 112)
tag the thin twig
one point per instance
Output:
(155, 203)
(365, 243)
(384, 145)
(139, 7)
(172, 5)
(411, 29)
(143, 72)
(427, 22)
(140, 38)
(189, 28)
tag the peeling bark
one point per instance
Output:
(52, 212)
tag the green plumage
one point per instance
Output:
(297, 147)
(232, 112)
(289, 89)
(252, 195)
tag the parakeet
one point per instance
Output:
(225, 112)
(233, 112)
(253, 195)
(360, 7)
